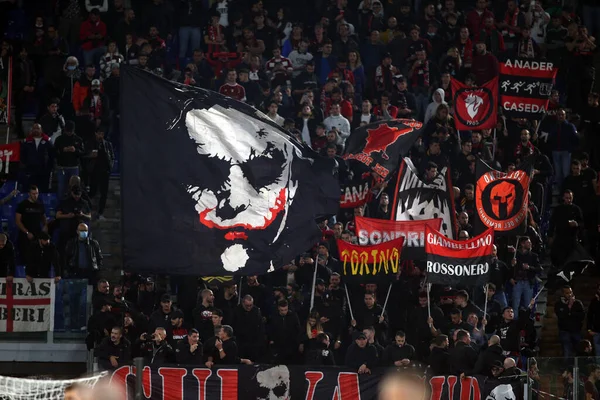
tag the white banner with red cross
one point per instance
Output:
(27, 306)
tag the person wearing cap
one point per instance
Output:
(37, 156)
(162, 316)
(69, 149)
(96, 105)
(41, 257)
(361, 356)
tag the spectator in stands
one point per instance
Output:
(163, 316)
(7, 258)
(336, 120)
(37, 158)
(463, 356)
(101, 163)
(320, 354)
(114, 351)
(565, 227)
(490, 357)
(52, 122)
(69, 148)
(188, 351)
(562, 141)
(156, 350)
(203, 315)
(71, 212)
(226, 349)
(249, 325)
(100, 324)
(30, 218)
(282, 334)
(179, 329)
(95, 107)
(593, 320)
(570, 313)
(526, 266)
(591, 390)
(231, 88)
(92, 35)
(439, 359)
(83, 256)
(399, 353)
(41, 256)
(361, 356)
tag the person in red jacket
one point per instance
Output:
(385, 110)
(475, 20)
(92, 35)
(338, 98)
(485, 64)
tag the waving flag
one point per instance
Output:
(475, 108)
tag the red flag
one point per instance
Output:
(475, 108)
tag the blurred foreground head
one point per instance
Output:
(402, 386)
(101, 391)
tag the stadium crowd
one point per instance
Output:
(319, 69)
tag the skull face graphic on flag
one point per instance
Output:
(256, 187)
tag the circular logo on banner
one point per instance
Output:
(473, 106)
(501, 202)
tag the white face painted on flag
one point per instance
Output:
(258, 187)
(502, 392)
(274, 383)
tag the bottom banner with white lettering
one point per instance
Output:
(451, 262)
(245, 382)
(26, 306)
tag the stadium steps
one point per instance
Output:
(108, 232)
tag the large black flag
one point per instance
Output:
(211, 186)
(381, 145)
(502, 198)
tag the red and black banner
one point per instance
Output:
(372, 231)
(525, 87)
(475, 108)
(451, 262)
(381, 145)
(368, 263)
(502, 199)
(291, 382)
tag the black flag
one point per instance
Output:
(211, 186)
(381, 145)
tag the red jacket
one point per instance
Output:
(476, 22)
(89, 28)
(392, 110)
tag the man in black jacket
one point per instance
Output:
(101, 159)
(499, 275)
(463, 356)
(361, 356)
(320, 353)
(42, 256)
(525, 265)
(114, 351)
(371, 314)
(570, 313)
(162, 316)
(399, 353)
(439, 358)
(226, 350)
(283, 333)
(86, 267)
(7, 258)
(189, 350)
(156, 350)
(249, 325)
(593, 320)
(69, 149)
(203, 314)
(490, 357)
(508, 330)
(565, 228)
(423, 328)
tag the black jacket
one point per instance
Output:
(355, 356)
(439, 361)
(248, 326)
(487, 358)
(393, 353)
(570, 319)
(41, 258)
(593, 315)
(532, 260)
(184, 356)
(107, 348)
(99, 326)
(509, 335)
(93, 252)
(158, 319)
(463, 358)
(283, 332)
(319, 355)
(366, 317)
(153, 354)
(203, 322)
(7, 260)
(68, 159)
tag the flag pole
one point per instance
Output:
(386, 299)
(349, 303)
(428, 301)
(240, 290)
(494, 145)
(314, 283)
(486, 301)
(9, 98)
(539, 292)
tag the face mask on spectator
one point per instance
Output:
(71, 67)
(83, 234)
